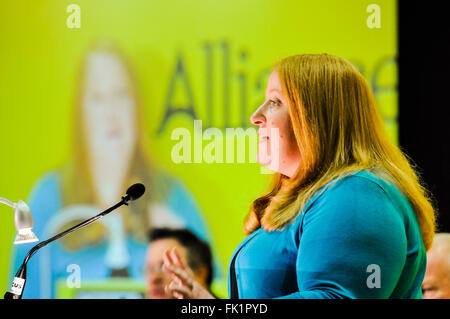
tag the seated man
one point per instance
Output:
(436, 284)
(193, 251)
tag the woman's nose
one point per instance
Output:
(258, 117)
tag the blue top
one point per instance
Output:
(356, 238)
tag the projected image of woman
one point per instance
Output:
(109, 154)
(346, 215)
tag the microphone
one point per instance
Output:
(133, 192)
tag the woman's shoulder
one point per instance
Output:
(47, 184)
(362, 191)
(362, 184)
(45, 196)
(358, 205)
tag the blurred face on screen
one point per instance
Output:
(277, 148)
(156, 279)
(109, 109)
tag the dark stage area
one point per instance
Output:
(424, 68)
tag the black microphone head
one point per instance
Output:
(135, 191)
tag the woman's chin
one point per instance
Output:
(268, 167)
(263, 159)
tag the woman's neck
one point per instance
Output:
(108, 179)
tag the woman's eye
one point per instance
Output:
(274, 102)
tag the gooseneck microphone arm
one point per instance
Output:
(134, 192)
(7, 202)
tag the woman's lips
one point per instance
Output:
(263, 150)
(113, 134)
(263, 140)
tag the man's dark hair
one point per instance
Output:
(199, 253)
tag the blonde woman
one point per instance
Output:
(346, 216)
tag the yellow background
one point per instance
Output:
(40, 57)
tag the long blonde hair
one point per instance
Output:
(339, 130)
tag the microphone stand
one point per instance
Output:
(21, 275)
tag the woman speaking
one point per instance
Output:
(346, 215)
